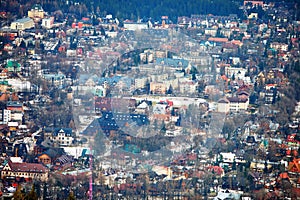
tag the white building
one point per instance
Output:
(48, 22)
(140, 82)
(63, 136)
(5, 116)
(131, 26)
(232, 104)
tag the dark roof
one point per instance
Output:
(236, 100)
(54, 152)
(114, 121)
(242, 92)
(63, 159)
(66, 131)
(223, 101)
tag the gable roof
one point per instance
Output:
(54, 152)
(27, 167)
(294, 166)
(66, 131)
(236, 100)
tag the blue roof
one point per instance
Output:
(14, 103)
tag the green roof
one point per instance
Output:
(12, 63)
(13, 66)
(37, 7)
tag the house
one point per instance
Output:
(49, 156)
(62, 162)
(13, 66)
(48, 22)
(140, 82)
(22, 24)
(142, 108)
(279, 46)
(237, 104)
(36, 12)
(16, 168)
(16, 109)
(294, 166)
(211, 31)
(5, 116)
(56, 79)
(158, 88)
(227, 157)
(62, 136)
(232, 104)
(223, 105)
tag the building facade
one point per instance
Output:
(22, 24)
(28, 171)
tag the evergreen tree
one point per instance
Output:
(170, 90)
(194, 77)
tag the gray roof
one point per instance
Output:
(23, 20)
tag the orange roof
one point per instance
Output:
(294, 166)
(224, 77)
(237, 42)
(212, 39)
(284, 175)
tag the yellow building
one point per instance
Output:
(36, 12)
(158, 88)
(29, 171)
(22, 24)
